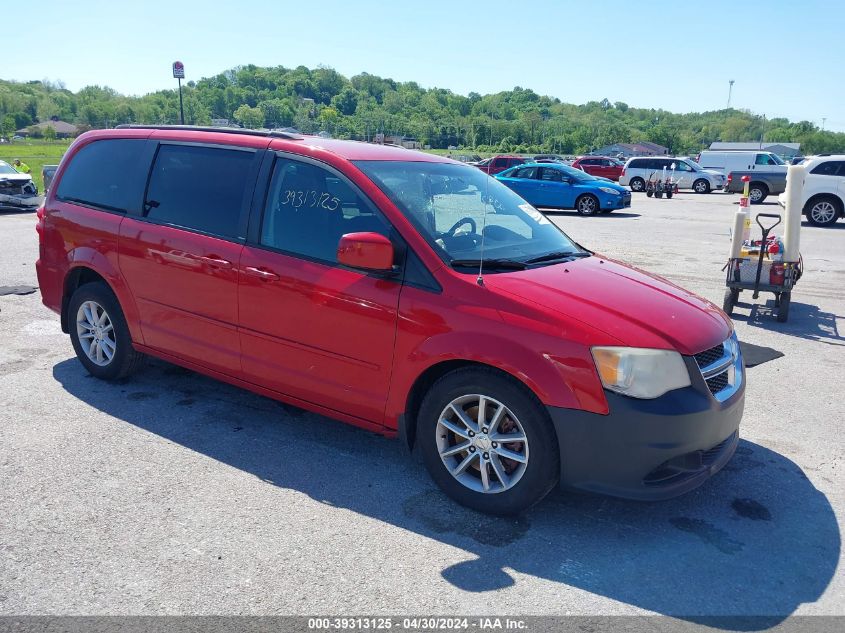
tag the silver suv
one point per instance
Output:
(688, 174)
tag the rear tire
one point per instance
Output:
(701, 186)
(99, 334)
(757, 193)
(669, 194)
(637, 184)
(523, 483)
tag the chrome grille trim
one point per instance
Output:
(722, 375)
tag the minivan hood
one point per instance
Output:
(634, 307)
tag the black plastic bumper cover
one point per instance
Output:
(648, 449)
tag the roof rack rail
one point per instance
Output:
(208, 128)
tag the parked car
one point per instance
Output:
(823, 198)
(688, 174)
(47, 173)
(347, 279)
(760, 185)
(726, 162)
(17, 191)
(556, 186)
(499, 163)
(603, 166)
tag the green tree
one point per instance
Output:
(50, 133)
(249, 117)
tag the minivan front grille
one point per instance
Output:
(721, 368)
(710, 356)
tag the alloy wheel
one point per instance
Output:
(95, 331)
(823, 212)
(482, 443)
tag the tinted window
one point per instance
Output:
(309, 209)
(108, 174)
(830, 168)
(640, 163)
(200, 188)
(500, 162)
(524, 172)
(554, 175)
(765, 159)
(682, 166)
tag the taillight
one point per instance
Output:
(39, 225)
(730, 177)
(623, 172)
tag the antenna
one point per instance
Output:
(486, 202)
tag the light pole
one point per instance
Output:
(823, 122)
(730, 90)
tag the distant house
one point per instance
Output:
(784, 150)
(63, 129)
(627, 150)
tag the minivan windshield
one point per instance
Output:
(453, 206)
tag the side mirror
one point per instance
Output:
(368, 251)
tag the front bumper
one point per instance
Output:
(19, 201)
(649, 449)
(616, 202)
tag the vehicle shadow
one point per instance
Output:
(574, 213)
(805, 321)
(758, 539)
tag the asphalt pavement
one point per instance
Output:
(170, 493)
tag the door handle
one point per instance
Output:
(264, 275)
(215, 262)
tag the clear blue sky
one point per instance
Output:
(786, 57)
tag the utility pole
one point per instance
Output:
(824, 118)
(730, 90)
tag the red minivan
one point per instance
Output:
(602, 166)
(402, 292)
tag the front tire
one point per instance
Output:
(701, 186)
(99, 334)
(587, 205)
(637, 184)
(729, 302)
(487, 441)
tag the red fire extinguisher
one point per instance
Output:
(776, 271)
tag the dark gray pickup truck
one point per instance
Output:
(762, 184)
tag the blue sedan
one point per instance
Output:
(555, 186)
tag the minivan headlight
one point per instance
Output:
(614, 192)
(640, 373)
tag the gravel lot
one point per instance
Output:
(175, 494)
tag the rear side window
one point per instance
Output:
(638, 164)
(830, 168)
(199, 188)
(524, 172)
(547, 173)
(106, 174)
(309, 209)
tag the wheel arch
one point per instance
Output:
(825, 195)
(87, 266)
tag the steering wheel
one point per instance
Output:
(460, 223)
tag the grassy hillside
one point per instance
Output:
(36, 154)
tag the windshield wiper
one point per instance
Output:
(548, 257)
(490, 264)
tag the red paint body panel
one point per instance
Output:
(348, 344)
(612, 172)
(187, 302)
(319, 333)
